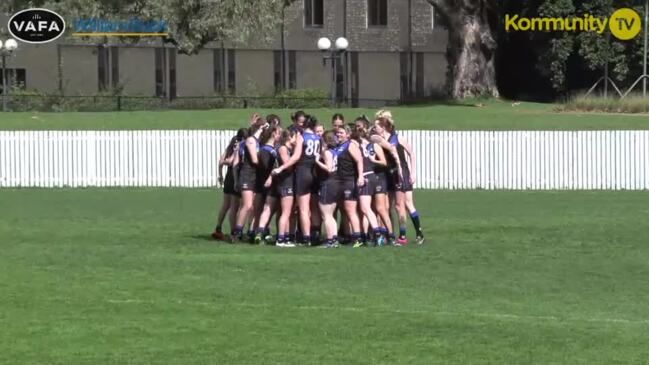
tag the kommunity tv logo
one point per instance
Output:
(624, 24)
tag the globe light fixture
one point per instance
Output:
(333, 54)
(324, 44)
(6, 48)
(11, 44)
(342, 44)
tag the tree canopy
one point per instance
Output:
(191, 23)
(570, 61)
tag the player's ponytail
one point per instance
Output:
(242, 134)
(230, 149)
(268, 133)
(329, 139)
(310, 122)
(258, 124)
(273, 119)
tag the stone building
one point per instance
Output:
(396, 51)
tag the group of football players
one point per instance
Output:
(345, 181)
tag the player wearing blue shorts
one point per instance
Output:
(349, 174)
(374, 184)
(230, 204)
(263, 189)
(248, 177)
(402, 181)
(307, 150)
(329, 189)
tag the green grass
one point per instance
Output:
(494, 115)
(94, 276)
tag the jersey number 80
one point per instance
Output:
(312, 148)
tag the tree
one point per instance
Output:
(591, 51)
(191, 23)
(472, 46)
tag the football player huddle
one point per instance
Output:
(324, 187)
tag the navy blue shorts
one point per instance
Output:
(305, 181)
(374, 184)
(348, 190)
(228, 183)
(247, 180)
(381, 183)
(329, 192)
(282, 190)
(404, 185)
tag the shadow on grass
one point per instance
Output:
(203, 237)
(450, 102)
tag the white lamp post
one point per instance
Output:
(339, 46)
(6, 49)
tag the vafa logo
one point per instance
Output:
(36, 25)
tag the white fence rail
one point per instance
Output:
(445, 159)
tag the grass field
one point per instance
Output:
(94, 276)
(494, 115)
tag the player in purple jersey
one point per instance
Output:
(402, 182)
(307, 150)
(248, 176)
(328, 192)
(373, 160)
(349, 173)
(283, 188)
(267, 160)
(230, 204)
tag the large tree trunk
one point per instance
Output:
(471, 48)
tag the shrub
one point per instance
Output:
(26, 100)
(630, 104)
(304, 98)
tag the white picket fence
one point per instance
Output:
(445, 159)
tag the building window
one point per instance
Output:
(404, 63)
(172, 73)
(114, 67)
(224, 71)
(278, 73)
(107, 67)
(437, 19)
(313, 13)
(218, 70)
(292, 75)
(419, 84)
(159, 72)
(231, 72)
(16, 78)
(354, 78)
(377, 13)
(340, 78)
(102, 67)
